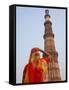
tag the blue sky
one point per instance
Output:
(30, 31)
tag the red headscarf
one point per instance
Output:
(32, 51)
(31, 69)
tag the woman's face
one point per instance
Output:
(35, 57)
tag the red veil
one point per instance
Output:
(31, 74)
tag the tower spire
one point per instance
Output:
(47, 12)
(47, 17)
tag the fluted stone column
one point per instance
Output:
(49, 46)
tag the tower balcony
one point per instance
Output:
(48, 35)
(47, 22)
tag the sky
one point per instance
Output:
(29, 34)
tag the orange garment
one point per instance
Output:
(32, 74)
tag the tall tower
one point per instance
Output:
(49, 46)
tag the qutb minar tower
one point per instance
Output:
(49, 46)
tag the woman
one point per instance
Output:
(36, 70)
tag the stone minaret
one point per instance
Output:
(49, 46)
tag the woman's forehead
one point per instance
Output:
(37, 52)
